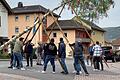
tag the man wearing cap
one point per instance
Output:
(79, 58)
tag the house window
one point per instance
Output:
(26, 27)
(16, 18)
(54, 35)
(65, 34)
(45, 21)
(27, 18)
(0, 21)
(93, 33)
(16, 30)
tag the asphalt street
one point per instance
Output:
(34, 73)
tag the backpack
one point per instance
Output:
(78, 48)
(51, 47)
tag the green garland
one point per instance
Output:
(90, 9)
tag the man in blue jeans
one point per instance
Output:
(62, 55)
(79, 58)
(50, 55)
(17, 54)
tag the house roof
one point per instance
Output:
(5, 4)
(116, 42)
(30, 9)
(66, 24)
(93, 25)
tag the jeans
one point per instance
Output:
(11, 61)
(17, 56)
(52, 61)
(39, 58)
(29, 56)
(62, 60)
(96, 61)
(77, 61)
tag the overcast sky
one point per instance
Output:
(113, 20)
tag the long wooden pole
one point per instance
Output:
(27, 35)
(89, 36)
(17, 36)
(54, 24)
(61, 30)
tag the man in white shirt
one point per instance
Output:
(97, 54)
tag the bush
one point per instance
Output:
(4, 56)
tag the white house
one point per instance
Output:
(5, 10)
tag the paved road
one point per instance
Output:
(34, 73)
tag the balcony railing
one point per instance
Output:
(83, 39)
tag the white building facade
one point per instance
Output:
(3, 21)
(4, 11)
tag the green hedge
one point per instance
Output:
(4, 55)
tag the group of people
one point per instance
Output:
(49, 52)
(96, 56)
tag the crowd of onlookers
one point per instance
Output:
(48, 52)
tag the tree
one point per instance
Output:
(90, 9)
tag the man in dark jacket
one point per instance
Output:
(62, 55)
(28, 51)
(50, 55)
(78, 57)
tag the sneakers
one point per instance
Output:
(14, 68)
(74, 71)
(77, 73)
(87, 74)
(38, 64)
(64, 72)
(80, 72)
(53, 72)
(43, 72)
(10, 67)
(96, 70)
(22, 69)
(27, 65)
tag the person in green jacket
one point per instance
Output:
(17, 54)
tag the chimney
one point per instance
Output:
(20, 4)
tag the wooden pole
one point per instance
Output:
(19, 35)
(27, 36)
(61, 30)
(89, 35)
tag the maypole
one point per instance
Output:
(90, 10)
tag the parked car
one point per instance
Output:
(108, 53)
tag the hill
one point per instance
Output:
(112, 33)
